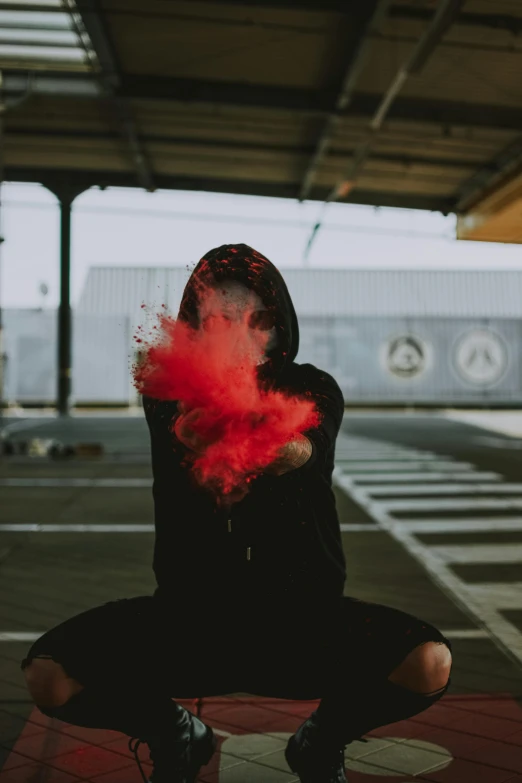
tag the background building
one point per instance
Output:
(403, 337)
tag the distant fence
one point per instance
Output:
(446, 361)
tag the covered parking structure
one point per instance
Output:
(414, 103)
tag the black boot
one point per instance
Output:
(315, 756)
(316, 751)
(178, 755)
(179, 743)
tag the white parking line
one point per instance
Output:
(383, 490)
(479, 553)
(357, 456)
(373, 465)
(96, 528)
(458, 525)
(17, 636)
(467, 633)
(28, 636)
(503, 595)
(483, 607)
(471, 504)
(37, 528)
(116, 483)
(405, 467)
(394, 479)
(482, 603)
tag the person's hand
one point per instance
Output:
(184, 429)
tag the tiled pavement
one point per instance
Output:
(473, 735)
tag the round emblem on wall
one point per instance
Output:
(481, 357)
(406, 356)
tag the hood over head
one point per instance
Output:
(252, 269)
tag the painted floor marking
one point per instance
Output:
(97, 528)
(479, 553)
(482, 602)
(458, 525)
(392, 478)
(405, 467)
(445, 489)
(471, 504)
(377, 457)
(94, 528)
(116, 483)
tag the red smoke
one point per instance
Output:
(214, 369)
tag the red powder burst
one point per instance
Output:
(214, 370)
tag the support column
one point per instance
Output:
(3, 356)
(65, 189)
(64, 309)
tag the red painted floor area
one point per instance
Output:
(464, 739)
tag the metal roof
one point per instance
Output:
(411, 103)
(323, 292)
(34, 38)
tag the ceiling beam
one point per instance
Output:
(110, 78)
(445, 113)
(55, 85)
(367, 15)
(241, 187)
(508, 22)
(406, 160)
(398, 10)
(319, 102)
(232, 93)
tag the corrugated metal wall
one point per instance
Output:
(101, 350)
(375, 360)
(437, 337)
(317, 292)
(30, 349)
(418, 360)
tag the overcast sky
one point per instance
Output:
(125, 227)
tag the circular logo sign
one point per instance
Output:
(406, 356)
(481, 357)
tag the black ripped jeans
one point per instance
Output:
(133, 656)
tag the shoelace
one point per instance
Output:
(345, 745)
(335, 763)
(337, 758)
(134, 749)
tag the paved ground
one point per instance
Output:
(431, 514)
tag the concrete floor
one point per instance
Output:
(431, 524)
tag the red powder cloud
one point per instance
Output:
(213, 369)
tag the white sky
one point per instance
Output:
(126, 227)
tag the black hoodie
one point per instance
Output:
(281, 545)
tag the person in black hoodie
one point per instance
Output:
(249, 593)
